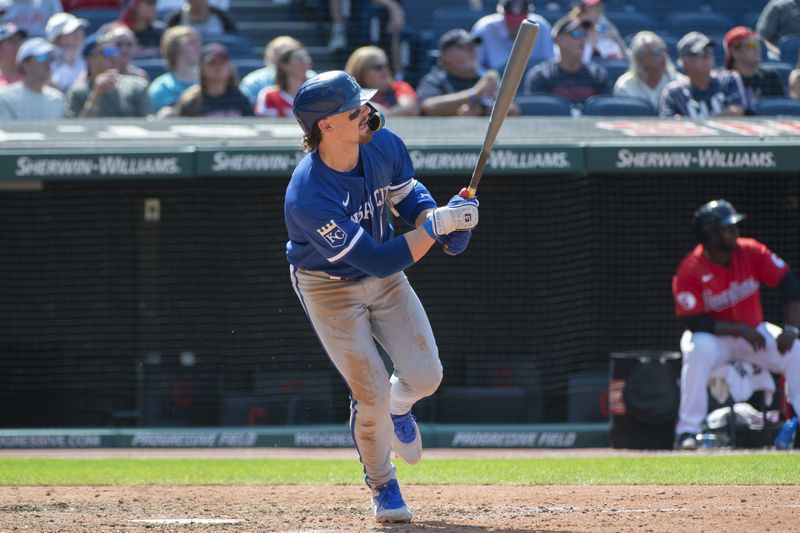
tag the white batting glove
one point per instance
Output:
(456, 216)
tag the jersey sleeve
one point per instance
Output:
(333, 234)
(769, 268)
(687, 292)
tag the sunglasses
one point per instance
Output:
(44, 58)
(379, 66)
(750, 43)
(109, 51)
(656, 50)
(577, 34)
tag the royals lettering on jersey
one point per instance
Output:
(328, 212)
(731, 293)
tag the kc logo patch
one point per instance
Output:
(333, 234)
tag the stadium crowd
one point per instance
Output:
(50, 68)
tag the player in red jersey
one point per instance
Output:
(717, 296)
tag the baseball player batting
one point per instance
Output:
(347, 269)
(717, 290)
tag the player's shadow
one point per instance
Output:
(438, 526)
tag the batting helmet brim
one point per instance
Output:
(327, 94)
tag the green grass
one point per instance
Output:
(757, 469)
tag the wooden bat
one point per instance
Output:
(515, 67)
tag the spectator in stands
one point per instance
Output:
(604, 40)
(338, 38)
(29, 15)
(217, 94)
(67, 32)
(778, 18)
(370, 67)
(568, 77)
(650, 70)
(122, 36)
(498, 31)
(141, 17)
(396, 21)
(107, 93)
(204, 18)
(456, 85)
(32, 98)
(743, 54)
(180, 48)
(794, 81)
(265, 77)
(290, 74)
(11, 38)
(706, 92)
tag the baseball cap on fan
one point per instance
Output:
(514, 7)
(693, 43)
(63, 24)
(734, 37)
(34, 47)
(212, 51)
(9, 29)
(457, 37)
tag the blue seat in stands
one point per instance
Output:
(447, 18)
(544, 105)
(154, 66)
(615, 69)
(789, 46)
(783, 70)
(237, 45)
(681, 23)
(606, 106)
(771, 106)
(96, 17)
(633, 22)
(246, 65)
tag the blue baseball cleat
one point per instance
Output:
(388, 504)
(407, 440)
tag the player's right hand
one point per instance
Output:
(458, 215)
(752, 336)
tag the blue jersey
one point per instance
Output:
(328, 213)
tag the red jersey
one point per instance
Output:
(730, 293)
(273, 102)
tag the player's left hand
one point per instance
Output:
(456, 242)
(785, 341)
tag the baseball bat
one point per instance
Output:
(515, 67)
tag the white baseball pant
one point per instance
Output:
(702, 352)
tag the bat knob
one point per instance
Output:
(466, 193)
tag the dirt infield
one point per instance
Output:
(440, 509)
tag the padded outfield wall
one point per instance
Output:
(143, 281)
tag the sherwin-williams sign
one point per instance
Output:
(692, 158)
(145, 164)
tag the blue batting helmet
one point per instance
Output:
(327, 94)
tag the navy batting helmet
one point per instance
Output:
(714, 216)
(327, 94)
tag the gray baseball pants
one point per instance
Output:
(348, 316)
